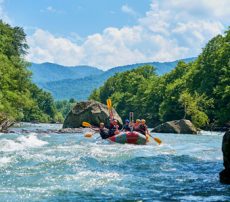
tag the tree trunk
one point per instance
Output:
(5, 124)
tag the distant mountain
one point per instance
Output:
(80, 89)
(47, 72)
(161, 67)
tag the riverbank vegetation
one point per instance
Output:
(64, 106)
(199, 91)
(20, 99)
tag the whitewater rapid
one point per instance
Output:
(38, 166)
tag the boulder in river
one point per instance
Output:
(90, 111)
(176, 126)
(225, 174)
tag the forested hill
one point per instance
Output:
(199, 91)
(161, 67)
(81, 88)
(47, 72)
(20, 99)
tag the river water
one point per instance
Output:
(36, 166)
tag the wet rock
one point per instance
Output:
(71, 130)
(176, 126)
(225, 174)
(89, 111)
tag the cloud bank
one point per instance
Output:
(170, 30)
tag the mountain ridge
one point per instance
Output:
(81, 88)
(47, 72)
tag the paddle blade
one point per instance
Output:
(88, 135)
(109, 103)
(157, 140)
(147, 138)
(86, 124)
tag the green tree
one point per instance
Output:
(199, 91)
(20, 99)
(64, 106)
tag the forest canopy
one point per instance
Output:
(199, 91)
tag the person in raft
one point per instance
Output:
(104, 132)
(126, 127)
(142, 128)
(113, 129)
(136, 124)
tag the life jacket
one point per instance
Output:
(126, 128)
(136, 125)
(112, 129)
(142, 128)
(104, 133)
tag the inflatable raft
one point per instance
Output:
(129, 138)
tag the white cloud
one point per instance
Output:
(170, 30)
(46, 47)
(51, 9)
(3, 14)
(127, 9)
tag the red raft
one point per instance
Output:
(129, 138)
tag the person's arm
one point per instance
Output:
(95, 129)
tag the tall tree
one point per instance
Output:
(20, 99)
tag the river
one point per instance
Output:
(36, 166)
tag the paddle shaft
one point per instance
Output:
(109, 105)
(131, 119)
(155, 139)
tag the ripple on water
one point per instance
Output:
(69, 167)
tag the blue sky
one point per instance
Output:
(108, 33)
(63, 17)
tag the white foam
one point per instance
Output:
(91, 179)
(4, 161)
(31, 141)
(211, 133)
(10, 145)
(22, 142)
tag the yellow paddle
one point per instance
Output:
(88, 125)
(88, 135)
(109, 103)
(155, 138)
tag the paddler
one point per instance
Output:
(126, 127)
(143, 128)
(113, 129)
(136, 124)
(104, 132)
